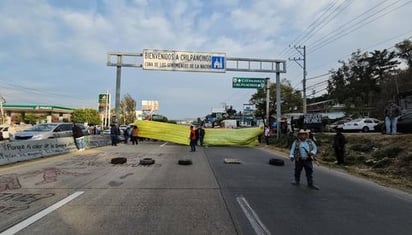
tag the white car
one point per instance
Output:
(361, 124)
(4, 132)
(47, 131)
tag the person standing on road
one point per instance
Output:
(78, 136)
(303, 151)
(135, 135)
(267, 134)
(114, 134)
(193, 139)
(201, 134)
(126, 134)
(339, 142)
(392, 113)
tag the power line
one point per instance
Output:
(344, 31)
(40, 92)
(312, 25)
(398, 37)
(338, 11)
(318, 84)
(365, 12)
(326, 13)
(318, 76)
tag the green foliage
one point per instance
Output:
(281, 142)
(159, 118)
(384, 162)
(91, 116)
(127, 110)
(359, 82)
(387, 152)
(351, 159)
(363, 84)
(31, 118)
(285, 141)
(362, 147)
(291, 100)
(404, 51)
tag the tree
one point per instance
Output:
(404, 51)
(127, 110)
(159, 118)
(230, 112)
(91, 116)
(358, 81)
(291, 100)
(32, 118)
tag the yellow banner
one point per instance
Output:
(180, 134)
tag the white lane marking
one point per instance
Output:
(25, 223)
(163, 144)
(253, 218)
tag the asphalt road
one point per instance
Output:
(83, 193)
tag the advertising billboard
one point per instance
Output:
(150, 105)
(104, 101)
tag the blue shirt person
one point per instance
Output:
(303, 151)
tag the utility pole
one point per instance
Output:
(267, 85)
(302, 51)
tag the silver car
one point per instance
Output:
(47, 131)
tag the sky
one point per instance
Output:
(54, 52)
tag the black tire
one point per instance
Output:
(276, 162)
(365, 129)
(184, 162)
(118, 160)
(147, 161)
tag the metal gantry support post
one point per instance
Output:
(278, 101)
(267, 85)
(118, 81)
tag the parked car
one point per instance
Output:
(47, 131)
(332, 127)
(361, 124)
(4, 132)
(404, 124)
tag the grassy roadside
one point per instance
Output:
(384, 159)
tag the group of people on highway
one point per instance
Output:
(196, 135)
(131, 132)
(303, 150)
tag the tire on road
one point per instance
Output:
(146, 161)
(118, 160)
(276, 162)
(184, 162)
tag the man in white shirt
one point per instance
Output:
(303, 151)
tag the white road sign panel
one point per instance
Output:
(184, 61)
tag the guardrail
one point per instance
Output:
(17, 151)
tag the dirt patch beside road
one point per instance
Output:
(385, 159)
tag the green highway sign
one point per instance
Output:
(248, 82)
